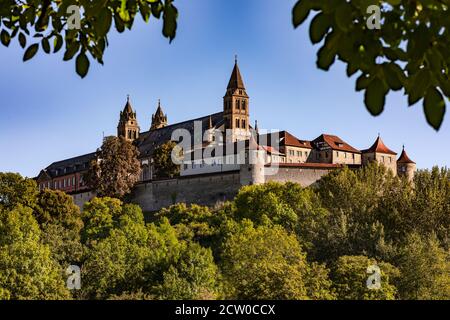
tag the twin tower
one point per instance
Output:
(236, 113)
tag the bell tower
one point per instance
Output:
(159, 119)
(128, 126)
(236, 108)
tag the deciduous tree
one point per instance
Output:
(17, 190)
(162, 157)
(27, 269)
(116, 168)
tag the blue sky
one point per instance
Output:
(48, 113)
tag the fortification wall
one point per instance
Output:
(209, 189)
(303, 176)
(81, 198)
(203, 189)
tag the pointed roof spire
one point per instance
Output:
(236, 78)
(159, 110)
(379, 147)
(128, 108)
(404, 157)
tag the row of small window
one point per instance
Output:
(240, 105)
(299, 153)
(74, 168)
(200, 165)
(319, 155)
(132, 134)
(61, 184)
(383, 159)
(241, 123)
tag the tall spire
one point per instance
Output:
(159, 110)
(128, 108)
(236, 78)
(159, 119)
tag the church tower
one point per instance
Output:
(236, 108)
(128, 125)
(159, 119)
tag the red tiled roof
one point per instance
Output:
(379, 147)
(404, 158)
(291, 140)
(284, 138)
(270, 150)
(335, 143)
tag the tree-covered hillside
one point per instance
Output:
(273, 241)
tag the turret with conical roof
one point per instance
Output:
(236, 107)
(128, 126)
(405, 166)
(380, 153)
(159, 119)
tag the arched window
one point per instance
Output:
(238, 104)
(243, 105)
(237, 123)
(243, 124)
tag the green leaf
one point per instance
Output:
(103, 22)
(120, 26)
(300, 12)
(325, 58)
(434, 107)
(57, 43)
(82, 64)
(319, 27)
(71, 50)
(5, 38)
(170, 21)
(45, 45)
(375, 97)
(31, 52)
(123, 12)
(351, 69)
(418, 85)
(22, 40)
(363, 82)
(393, 76)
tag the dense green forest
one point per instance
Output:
(273, 241)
